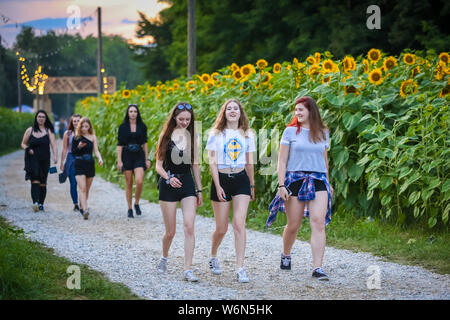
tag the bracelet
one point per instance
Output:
(169, 176)
(198, 191)
(252, 186)
(279, 186)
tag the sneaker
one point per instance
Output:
(242, 276)
(86, 214)
(319, 274)
(214, 266)
(35, 207)
(137, 209)
(76, 208)
(162, 265)
(189, 276)
(130, 213)
(285, 263)
(41, 207)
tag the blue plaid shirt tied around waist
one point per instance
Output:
(307, 192)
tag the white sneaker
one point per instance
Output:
(242, 276)
(189, 276)
(86, 214)
(214, 266)
(35, 207)
(162, 265)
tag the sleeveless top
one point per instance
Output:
(176, 161)
(40, 146)
(87, 149)
(70, 141)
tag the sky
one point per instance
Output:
(74, 16)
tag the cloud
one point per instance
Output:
(128, 21)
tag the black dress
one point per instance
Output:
(132, 159)
(84, 161)
(40, 160)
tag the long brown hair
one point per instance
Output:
(317, 127)
(70, 126)
(169, 127)
(221, 121)
(80, 124)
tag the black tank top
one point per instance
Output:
(40, 146)
(180, 159)
(87, 149)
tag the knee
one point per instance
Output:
(293, 228)
(221, 230)
(189, 230)
(82, 189)
(139, 181)
(238, 227)
(170, 234)
(317, 225)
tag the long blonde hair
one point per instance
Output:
(80, 124)
(221, 121)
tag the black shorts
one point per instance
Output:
(86, 168)
(39, 170)
(171, 194)
(295, 187)
(133, 160)
(233, 184)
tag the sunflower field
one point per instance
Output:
(388, 118)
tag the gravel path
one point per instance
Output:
(127, 251)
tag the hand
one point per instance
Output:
(175, 183)
(61, 167)
(199, 199)
(252, 196)
(81, 145)
(331, 190)
(55, 160)
(31, 152)
(120, 166)
(282, 192)
(147, 163)
(221, 194)
(100, 162)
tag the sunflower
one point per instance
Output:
(288, 67)
(351, 89)
(445, 91)
(234, 67)
(237, 74)
(317, 57)
(170, 90)
(247, 70)
(205, 78)
(261, 64)
(415, 71)
(276, 68)
(443, 56)
(311, 60)
(407, 87)
(366, 65)
(266, 77)
(409, 59)
(375, 76)
(126, 93)
(209, 85)
(142, 99)
(349, 63)
(214, 76)
(326, 79)
(328, 66)
(295, 61)
(439, 71)
(389, 63)
(313, 70)
(190, 85)
(374, 55)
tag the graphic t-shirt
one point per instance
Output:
(231, 147)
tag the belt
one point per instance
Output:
(233, 175)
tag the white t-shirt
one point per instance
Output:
(230, 147)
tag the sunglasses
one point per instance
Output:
(184, 106)
(132, 105)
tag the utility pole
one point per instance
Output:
(191, 39)
(99, 50)
(19, 89)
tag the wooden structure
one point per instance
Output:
(69, 85)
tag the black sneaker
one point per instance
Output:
(137, 209)
(130, 213)
(41, 207)
(319, 274)
(285, 263)
(76, 208)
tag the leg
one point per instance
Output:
(188, 206)
(129, 186)
(81, 182)
(294, 215)
(317, 211)
(88, 187)
(139, 179)
(73, 185)
(221, 213)
(240, 206)
(169, 211)
(42, 192)
(35, 191)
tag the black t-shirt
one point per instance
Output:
(126, 137)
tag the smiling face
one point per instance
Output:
(75, 121)
(41, 118)
(85, 128)
(183, 119)
(132, 113)
(232, 112)
(302, 113)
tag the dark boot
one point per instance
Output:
(130, 213)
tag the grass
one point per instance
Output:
(412, 245)
(31, 271)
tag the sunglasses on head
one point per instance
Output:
(132, 105)
(184, 106)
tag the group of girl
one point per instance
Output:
(303, 180)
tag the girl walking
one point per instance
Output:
(68, 159)
(83, 144)
(36, 142)
(176, 155)
(131, 157)
(303, 180)
(230, 146)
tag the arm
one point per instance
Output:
(147, 161)
(64, 150)
(97, 153)
(196, 170)
(213, 167)
(250, 169)
(119, 158)
(54, 147)
(325, 154)
(283, 156)
(26, 137)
